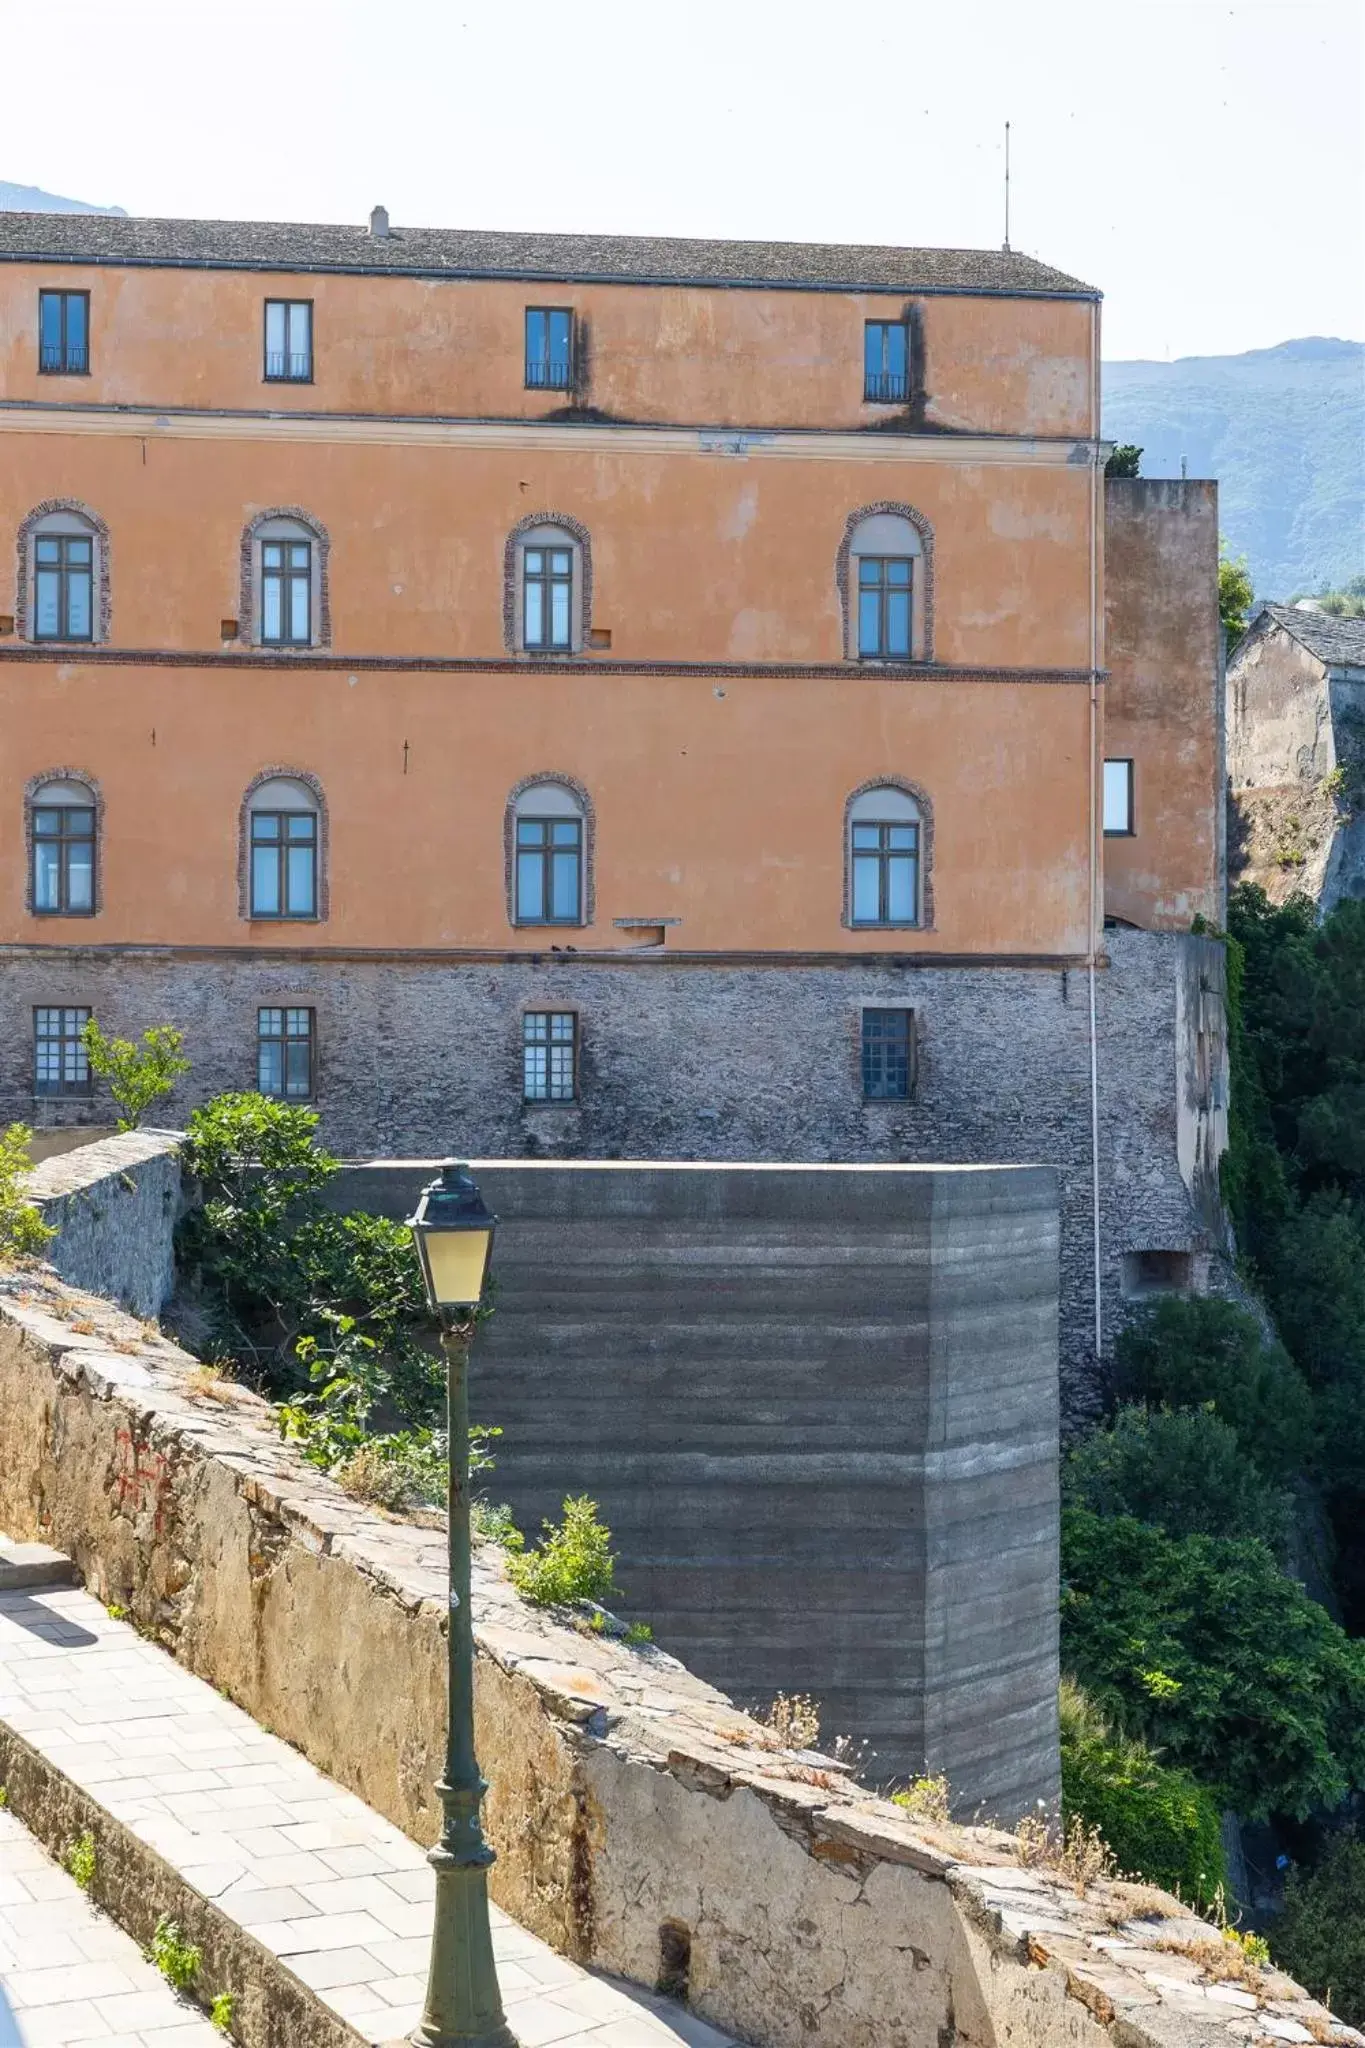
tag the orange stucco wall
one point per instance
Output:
(455, 347)
(718, 796)
(717, 802)
(696, 556)
(1163, 700)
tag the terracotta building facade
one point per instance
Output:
(632, 698)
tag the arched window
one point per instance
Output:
(547, 598)
(284, 597)
(64, 575)
(885, 576)
(283, 846)
(886, 857)
(62, 835)
(549, 853)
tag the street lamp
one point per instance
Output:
(453, 1232)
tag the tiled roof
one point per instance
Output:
(460, 252)
(1338, 642)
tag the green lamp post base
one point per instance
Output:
(464, 2006)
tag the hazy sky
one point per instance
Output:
(1203, 163)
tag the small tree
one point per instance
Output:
(138, 1075)
(1235, 595)
(23, 1232)
(1125, 461)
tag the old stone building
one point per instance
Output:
(1296, 754)
(542, 695)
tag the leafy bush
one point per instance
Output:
(221, 2012)
(1201, 1352)
(572, 1561)
(1320, 1936)
(23, 1233)
(1185, 1473)
(138, 1075)
(1205, 1648)
(1161, 1825)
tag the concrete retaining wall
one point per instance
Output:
(114, 1206)
(818, 1407)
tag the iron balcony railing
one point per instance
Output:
(75, 360)
(288, 369)
(548, 375)
(887, 388)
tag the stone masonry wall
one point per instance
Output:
(693, 1061)
(627, 1797)
(114, 1206)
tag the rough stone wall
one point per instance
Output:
(1164, 701)
(1296, 763)
(626, 1795)
(114, 1206)
(695, 1061)
(818, 1409)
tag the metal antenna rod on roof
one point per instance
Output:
(1007, 188)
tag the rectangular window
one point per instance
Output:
(63, 860)
(1118, 800)
(289, 341)
(549, 1056)
(886, 362)
(547, 586)
(287, 593)
(888, 1055)
(549, 870)
(64, 333)
(284, 1053)
(63, 586)
(885, 874)
(284, 864)
(884, 607)
(549, 348)
(60, 1066)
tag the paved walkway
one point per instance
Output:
(67, 1974)
(338, 1894)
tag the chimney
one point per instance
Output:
(379, 223)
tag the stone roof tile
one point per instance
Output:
(550, 258)
(1338, 642)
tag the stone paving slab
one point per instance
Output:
(68, 1975)
(338, 1894)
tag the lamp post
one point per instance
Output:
(453, 1232)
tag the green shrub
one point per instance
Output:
(23, 1233)
(1160, 1824)
(1315, 1275)
(1185, 1473)
(1203, 1647)
(81, 1860)
(177, 1959)
(138, 1075)
(572, 1561)
(1320, 1936)
(1198, 1352)
(222, 2010)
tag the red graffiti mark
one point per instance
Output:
(142, 1480)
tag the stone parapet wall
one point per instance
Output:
(627, 1797)
(114, 1205)
(699, 1060)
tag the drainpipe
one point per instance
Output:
(1095, 906)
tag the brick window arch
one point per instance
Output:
(58, 523)
(903, 825)
(886, 533)
(546, 534)
(276, 528)
(269, 840)
(63, 842)
(538, 840)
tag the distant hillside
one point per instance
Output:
(1283, 431)
(30, 199)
